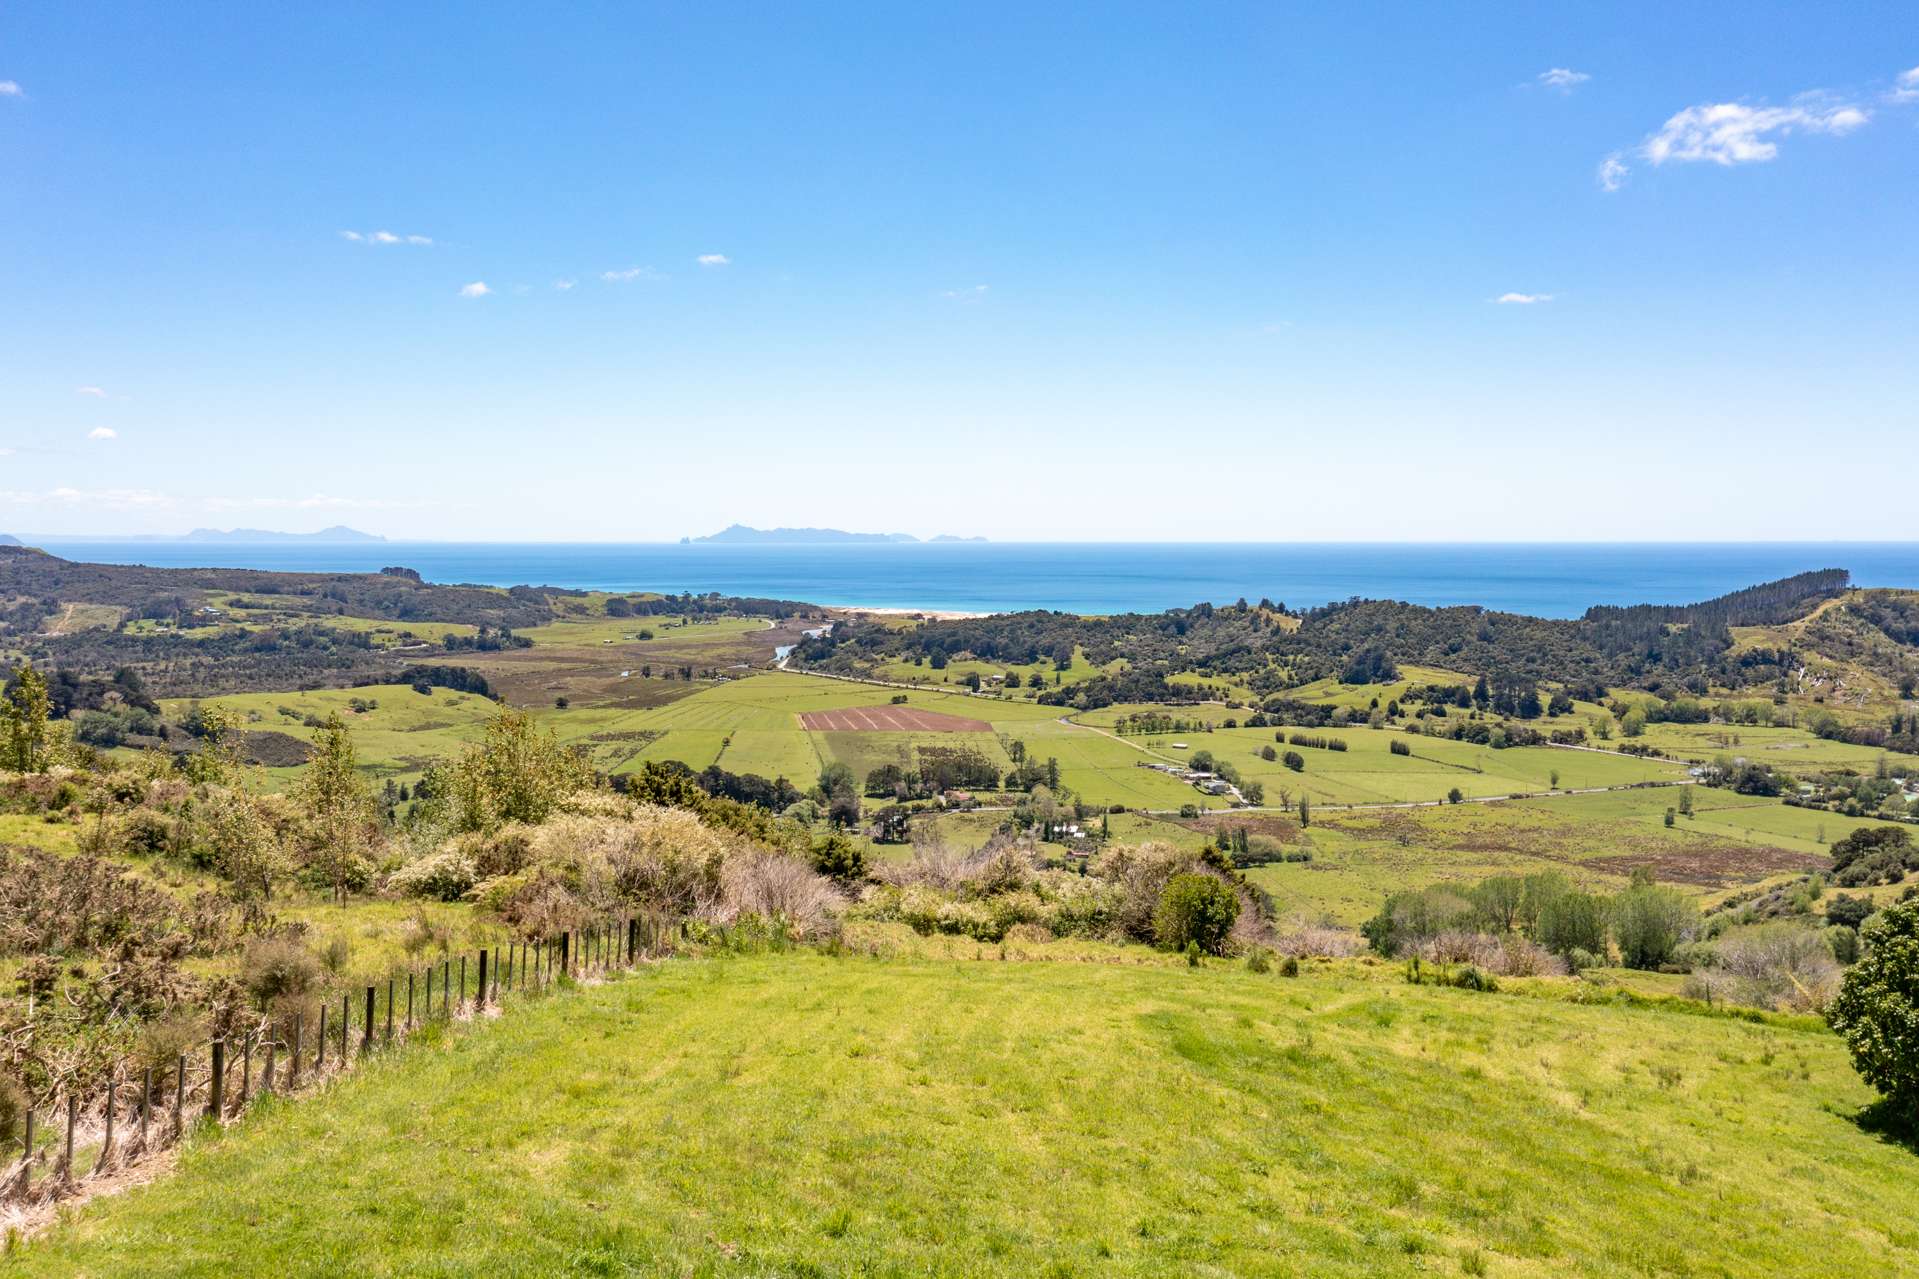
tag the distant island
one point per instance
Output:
(8, 539)
(741, 534)
(338, 533)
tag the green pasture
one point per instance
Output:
(1367, 772)
(1792, 750)
(804, 1115)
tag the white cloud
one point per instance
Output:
(1522, 299)
(564, 285)
(714, 259)
(6, 452)
(1905, 87)
(964, 295)
(631, 274)
(477, 289)
(96, 392)
(1729, 133)
(386, 237)
(103, 433)
(11, 89)
(1563, 79)
(1612, 173)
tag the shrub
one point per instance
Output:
(1472, 977)
(443, 876)
(1289, 966)
(1649, 922)
(279, 968)
(1259, 960)
(1848, 911)
(1195, 910)
(1877, 1008)
(838, 857)
(778, 888)
(1778, 966)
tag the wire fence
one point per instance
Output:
(140, 1110)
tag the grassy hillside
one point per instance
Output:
(799, 1114)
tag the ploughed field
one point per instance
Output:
(801, 1114)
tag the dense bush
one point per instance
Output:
(1877, 1008)
(1195, 909)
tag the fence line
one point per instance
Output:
(120, 1126)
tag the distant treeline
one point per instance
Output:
(1661, 648)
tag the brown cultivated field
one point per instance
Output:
(889, 719)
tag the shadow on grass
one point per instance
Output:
(1897, 1125)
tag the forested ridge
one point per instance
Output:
(1669, 648)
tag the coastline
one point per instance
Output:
(926, 614)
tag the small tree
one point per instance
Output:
(338, 803)
(1195, 910)
(24, 712)
(1877, 1008)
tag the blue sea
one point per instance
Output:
(1545, 580)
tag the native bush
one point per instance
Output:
(1877, 1008)
(1195, 909)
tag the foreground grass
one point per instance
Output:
(806, 1115)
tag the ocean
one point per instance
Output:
(1542, 579)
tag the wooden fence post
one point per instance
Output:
(246, 1070)
(409, 1001)
(566, 953)
(429, 992)
(266, 1071)
(346, 1017)
(479, 998)
(389, 1010)
(146, 1108)
(461, 1006)
(26, 1175)
(216, 1091)
(180, 1097)
(106, 1144)
(366, 1029)
(73, 1121)
(446, 988)
(293, 1049)
(319, 1043)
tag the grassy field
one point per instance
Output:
(1367, 772)
(801, 1115)
(1790, 749)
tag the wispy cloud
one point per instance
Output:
(11, 89)
(1905, 87)
(149, 499)
(386, 237)
(1564, 79)
(98, 393)
(1612, 173)
(103, 433)
(631, 274)
(477, 289)
(106, 499)
(1522, 299)
(1729, 133)
(714, 259)
(564, 285)
(972, 294)
(312, 502)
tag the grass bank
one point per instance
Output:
(798, 1114)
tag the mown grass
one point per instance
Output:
(804, 1115)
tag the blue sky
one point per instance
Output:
(1047, 272)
